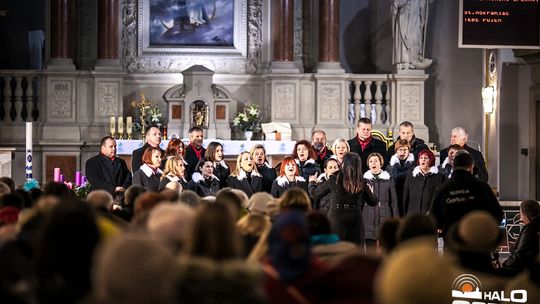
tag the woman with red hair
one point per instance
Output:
(305, 157)
(149, 174)
(420, 184)
(288, 177)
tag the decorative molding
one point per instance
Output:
(60, 104)
(284, 101)
(410, 103)
(107, 102)
(330, 102)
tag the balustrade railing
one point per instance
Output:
(370, 97)
(20, 95)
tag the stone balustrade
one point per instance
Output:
(370, 97)
(20, 95)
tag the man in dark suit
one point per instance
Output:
(194, 151)
(364, 144)
(318, 141)
(459, 137)
(153, 139)
(406, 131)
(107, 172)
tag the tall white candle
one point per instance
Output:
(29, 157)
(129, 126)
(112, 126)
(120, 127)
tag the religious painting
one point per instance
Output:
(191, 22)
(199, 114)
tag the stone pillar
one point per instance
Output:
(329, 37)
(283, 36)
(61, 27)
(108, 11)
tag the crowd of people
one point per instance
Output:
(355, 222)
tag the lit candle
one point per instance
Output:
(28, 173)
(61, 178)
(78, 176)
(56, 175)
(129, 126)
(120, 126)
(112, 126)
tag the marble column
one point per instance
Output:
(329, 37)
(108, 14)
(283, 36)
(61, 26)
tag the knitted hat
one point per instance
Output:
(477, 231)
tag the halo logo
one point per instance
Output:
(467, 289)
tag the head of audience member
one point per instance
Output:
(318, 140)
(214, 234)
(459, 136)
(258, 203)
(9, 182)
(175, 147)
(28, 201)
(288, 246)
(303, 151)
(190, 198)
(35, 194)
(318, 223)
(4, 189)
(146, 202)
(58, 190)
(132, 193)
(258, 153)
(340, 147)
(463, 160)
(402, 148)
(134, 269)
(406, 131)
(295, 199)
(11, 205)
(153, 136)
(251, 227)
(417, 225)
(172, 189)
(331, 166)
(388, 234)
(426, 160)
(170, 224)
(363, 128)
(205, 167)
(452, 150)
(477, 231)
(236, 201)
(175, 166)
(244, 162)
(108, 147)
(529, 210)
(214, 152)
(196, 136)
(375, 162)
(289, 168)
(152, 157)
(100, 200)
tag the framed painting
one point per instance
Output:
(172, 35)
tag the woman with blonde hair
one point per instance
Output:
(174, 172)
(295, 199)
(245, 176)
(252, 227)
(340, 147)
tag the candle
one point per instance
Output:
(28, 167)
(78, 177)
(112, 126)
(61, 178)
(120, 126)
(56, 175)
(83, 183)
(129, 125)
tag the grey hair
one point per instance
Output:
(462, 131)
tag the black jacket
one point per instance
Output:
(248, 184)
(308, 168)
(375, 145)
(192, 160)
(324, 203)
(479, 169)
(526, 249)
(385, 191)
(204, 187)
(399, 170)
(325, 154)
(281, 184)
(171, 178)
(416, 143)
(418, 190)
(222, 171)
(146, 177)
(136, 157)
(461, 194)
(104, 174)
(268, 176)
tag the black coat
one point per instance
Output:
(204, 187)
(104, 174)
(323, 156)
(399, 170)
(146, 177)
(268, 176)
(417, 145)
(308, 168)
(222, 172)
(281, 184)
(171, 178)
(347, 221)
(525, 250)
(479, 169)
(461, 194)
(136, 157)
(247, 184)
(375, 145)
(419, 189)
(385, 191)
(324, 203)
(192, 160)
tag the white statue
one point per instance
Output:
(409, 19)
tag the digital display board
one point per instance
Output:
(499, 24)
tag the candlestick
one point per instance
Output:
(56, 175)
(78, 177)
(28, 167)
(129, 126)
(120, 127)
(112, 126)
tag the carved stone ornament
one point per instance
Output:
(108, 99)
(139, 56)
(330, 106)
(60, 105)
(410, 102)
(285, 101)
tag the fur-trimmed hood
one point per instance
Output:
(282, 180)
(174, 178)
(383, 175)
(197, 177)
(149, 171)
(309, 161)
(395, 159)
(243, 175)
(445, 162)
(432, 170)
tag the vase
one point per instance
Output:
(248, 135)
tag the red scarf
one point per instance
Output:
(198, 152)
(322, 154)
(364, 143)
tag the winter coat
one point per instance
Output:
(323, 204)
(147, 178)
(308, 168)
(204, 186)
(222, 171)
(172, 178)
(398, 171)
(106, 174)
(416, 143)
(479, 169)
(446, 169)
(461, 194)
(268, 176)
(419, 189)
(282, 184)
(375, 145)
(242, 182)
(192, 159)
(385, 191)
(136, 157)
(525, 250)
(345, 214)
(323, 156)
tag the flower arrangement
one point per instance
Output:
(248, 119)
(80, 191)
(148, 113)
